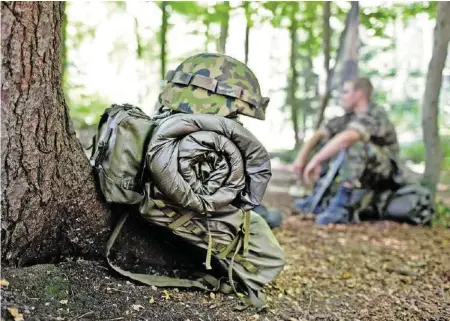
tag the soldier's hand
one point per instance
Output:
(312, 169)
(299, 167)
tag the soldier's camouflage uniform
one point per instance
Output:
(369, 162)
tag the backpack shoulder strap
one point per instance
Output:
(112, 120)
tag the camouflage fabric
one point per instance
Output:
(336, 125)
(365, 165)
(213, 84)
(373, 125)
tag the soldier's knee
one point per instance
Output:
(357, 150)
(358, 146)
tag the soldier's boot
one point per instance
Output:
(303, 205)
(338, 212)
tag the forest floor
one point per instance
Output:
(372, 271)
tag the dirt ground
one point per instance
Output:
(373, 271)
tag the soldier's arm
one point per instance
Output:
(302, 156)
(310, 144)
(340, 141)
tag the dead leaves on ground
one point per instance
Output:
(15, 314)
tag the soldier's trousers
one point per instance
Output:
(365, 166)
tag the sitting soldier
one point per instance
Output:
(371, 149)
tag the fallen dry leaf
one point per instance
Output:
(137, 307)
(15, 314)
(4, 283)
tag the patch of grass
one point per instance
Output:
(442, 217)
(57, 287)
(415, 152)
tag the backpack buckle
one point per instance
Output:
(128, 183)
(99, 155)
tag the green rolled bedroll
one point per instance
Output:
(207, 173)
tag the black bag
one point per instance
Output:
(410, 204)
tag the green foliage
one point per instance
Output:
(81, 32)
(410, 10)
(416, 152)
(375, 19)
(442, 217)
(86, 111)
(190, 9)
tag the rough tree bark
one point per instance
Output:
(64, 63)
(326, 57)
(430, 110)
(50, 205)
(293, 81)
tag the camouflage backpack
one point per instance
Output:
(118, 153)
(118, 158)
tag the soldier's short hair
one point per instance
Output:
(364, 84)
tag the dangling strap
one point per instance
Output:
(230, 268)
(209, 250)
(247, 218)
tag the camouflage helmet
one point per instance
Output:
(211, 83)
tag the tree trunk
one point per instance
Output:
(50, 205)
(139, 49)
(64, 49)
(164, 18)
(207, 36)
(430, 111)
(224, 28)
(294, 73)
(326, 56)
(309, 88)
(247, 28)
